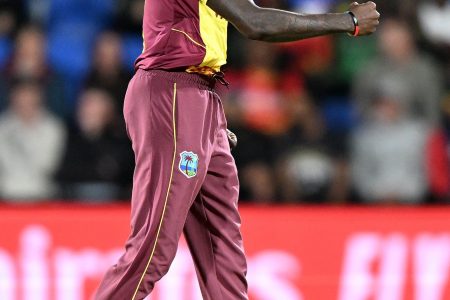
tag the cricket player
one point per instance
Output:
(185, 178)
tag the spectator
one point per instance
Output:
(314, 168)
(29, 62)
(312, 58)
(32, 141)
(107, 71)
(12, 14)
(287, 149)
(39, 10)
(259, 183)
(97, 163)
(130, 14)
(263, 96)
(260, 111)
(389, 150)
(434, 20)
(400, 60)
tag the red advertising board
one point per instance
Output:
(294, 253)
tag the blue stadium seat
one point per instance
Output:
(70, 47)
(5, 51)
(339, 114)
(70, 52)
(132, 48)
(104, 8)
(98, 11)
(73, 27)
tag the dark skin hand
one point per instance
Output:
(274, 25)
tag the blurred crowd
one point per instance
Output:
(334, 119)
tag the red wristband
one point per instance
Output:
(355, 22)
(356, 33)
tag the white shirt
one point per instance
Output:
(29, 156)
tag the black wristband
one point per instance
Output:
(355, 22)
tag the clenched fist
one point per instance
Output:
(367, 16)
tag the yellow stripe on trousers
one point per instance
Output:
(168, 189)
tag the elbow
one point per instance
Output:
(253, 32)
(250, 24)
(256, 35)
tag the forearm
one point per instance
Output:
(273, 25)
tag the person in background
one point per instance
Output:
(259, 110)
(29, 62)
(32, 142)
(39, 11)
(12, 15)
(259, 184)
(389, 150)
(401, 61)
(314, 168)
(97, 164)
(107, 72)
(129, 16)
(434, 20)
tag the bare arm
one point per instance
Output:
(275, 25)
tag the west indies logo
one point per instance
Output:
(188, 163)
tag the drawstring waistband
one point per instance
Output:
(208, 72)
(180, 75)
(220, 77)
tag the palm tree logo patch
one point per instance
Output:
(188, 163)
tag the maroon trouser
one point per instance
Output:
(185, 180)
